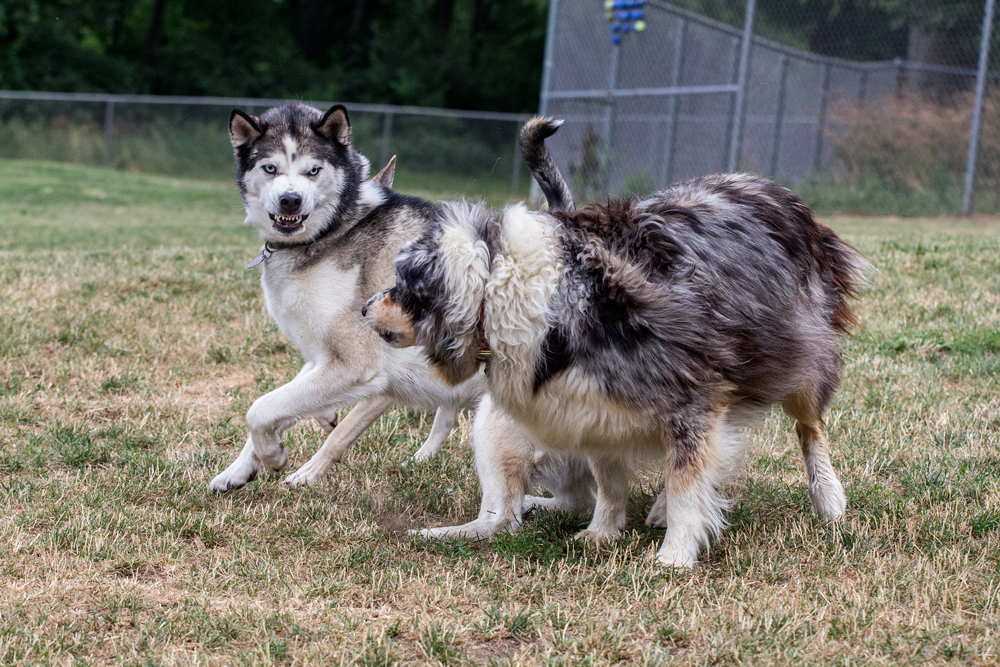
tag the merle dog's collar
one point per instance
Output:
(483, 351)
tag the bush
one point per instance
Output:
(915, 145)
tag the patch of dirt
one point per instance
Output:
(211, 394)
(144, 573)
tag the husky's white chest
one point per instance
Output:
(305, 302)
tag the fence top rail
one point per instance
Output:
(643, 92)
(253, 102)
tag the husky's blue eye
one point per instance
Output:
(269, 169)
(314, 171)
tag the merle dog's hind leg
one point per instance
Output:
(700, 456)
(825, 491)
(444, 421)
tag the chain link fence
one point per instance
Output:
(438, 150)
(866, 112)
(862, 112)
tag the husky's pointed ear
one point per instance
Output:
(335, 125)
(385, 176)
(243, 128)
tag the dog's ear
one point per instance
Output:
(335, 125)
(385, 176)
(243, 128)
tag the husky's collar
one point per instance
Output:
(265, 252)
(483, 351)
(272, 247)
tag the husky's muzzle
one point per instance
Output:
(388, 320)
(290, 219)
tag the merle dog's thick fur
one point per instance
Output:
(704, 303)
(648, 327)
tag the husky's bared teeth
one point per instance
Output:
(288, 219)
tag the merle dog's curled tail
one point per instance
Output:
(532, 142)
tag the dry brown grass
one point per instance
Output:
(132, 343)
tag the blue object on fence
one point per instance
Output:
(625, 16)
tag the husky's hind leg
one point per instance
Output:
(567, 477)
(340, 439)
(612, 475)
(444, 420)
(504, 460)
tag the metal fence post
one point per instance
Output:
(673, 105)
(736, 124)
(779, 116)
(535, 195)
(109, 123)
(515, 172)
(977, 109)
(609, 114)
(821, 121)
(386, 138)
(550, 39)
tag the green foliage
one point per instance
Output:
(639, 183)
(471, 54)
(479, 54)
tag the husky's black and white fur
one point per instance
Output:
(330, 236)
(648, 329)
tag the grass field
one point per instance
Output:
(133, 341)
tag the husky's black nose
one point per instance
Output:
(290, 203)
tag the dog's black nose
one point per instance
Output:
(290, 203)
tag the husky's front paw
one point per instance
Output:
(422, 454)
(299, 478)
(240, 473)
(476, 530)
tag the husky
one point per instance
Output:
(329, 238)
(645, 330)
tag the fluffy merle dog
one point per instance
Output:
(648, 329)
